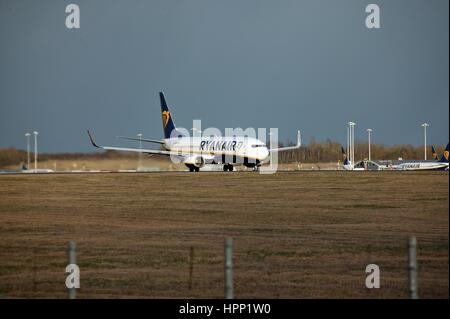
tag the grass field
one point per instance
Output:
(296, 235)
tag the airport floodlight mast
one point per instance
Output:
(353, 142)
(139, 135)
(351, 139)
(35, 133)
(369, 130)
(28, 149)
(425, 125)
(348, 143)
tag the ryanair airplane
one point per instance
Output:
(195, 152)
(400, 165)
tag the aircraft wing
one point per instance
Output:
(137, 150)
(140, 139)
(280, 149)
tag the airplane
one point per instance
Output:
(436, 164)
(196, 152)
(403, 165)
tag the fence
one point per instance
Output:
(228, 281)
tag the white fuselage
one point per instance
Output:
(219, 149)
(420, 165)
(398, 165)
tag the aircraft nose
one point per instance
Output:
(264, 153)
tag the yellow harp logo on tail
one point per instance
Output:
(165, 117)
(446, 155)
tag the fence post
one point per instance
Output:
(191, 267)
(412, 267)
(72, 260)
(228, 265)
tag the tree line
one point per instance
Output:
(329, 151)
(314, 152)
(13, 156)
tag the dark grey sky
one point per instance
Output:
(289, 64)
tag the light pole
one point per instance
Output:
(140, 150)
(424, 125)
(352, 142)
(369, 130)
(28, 149)
(35, 133)
(348, 142)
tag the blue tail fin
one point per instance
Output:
(435, 156)
(168, 125)
(444, 158)
(345, 156)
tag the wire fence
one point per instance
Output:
(239, 272)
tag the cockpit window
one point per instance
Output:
(258, 145)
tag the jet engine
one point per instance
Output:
(196, 160)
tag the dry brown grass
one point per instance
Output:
(296, 235)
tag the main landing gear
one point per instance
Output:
(228, 168)
(193, 168)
